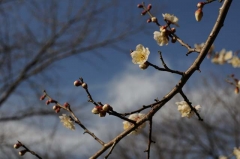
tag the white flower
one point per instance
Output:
(200, 46)
(171, 18)
(185, 109)
(134, 117)
(67, 122)
(222, 57)
(222, 157)
(235, 61)
(140, 55)
(236, 152)
(161, 37)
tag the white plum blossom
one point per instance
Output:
(161, 37)
(134, 117)
(222, 57)
(236, 152)
(185, 109)
(67, 122)
(140, 55)
(171, 18)
(200, 46)
(235, 61)
(222, 157)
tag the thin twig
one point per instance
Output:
(76, 120)
(28, 150)
(150, 141)
(163, 69)
(110, 151)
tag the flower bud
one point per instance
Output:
(144, 12)
(17, 145)
(84, 85)
(144, 66)
(200, 4)
(140, 6)
(173, 30)
(174, 39)
(66, 105)
(43, 97)
(106, 107)
(77, 83)
(198, 14)
(21, 153)
(149, 7)
(236, 91)
(154, 19)
(149, 21)
(95, 110)
(102, 114)
(55, 107)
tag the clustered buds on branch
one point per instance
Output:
(25, 150)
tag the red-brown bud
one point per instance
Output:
(43, 97)
(149, 21)
(17, 145)
(140, 6)
(173, 30)
(144, 12)
(149, 7)
(21, 153)
(77, 83)
(66, 105)
(236, 91)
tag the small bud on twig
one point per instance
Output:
(84, 85)
(43, 97)
(198, 14)
(21, 153)
(77, 83)
(149, 7)
(17, 145)
(140, 6)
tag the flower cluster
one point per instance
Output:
(134, 117)
(185, 109)
(102, 110)
(67, 122)
(222, 57)
(162, 36)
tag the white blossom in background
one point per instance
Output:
(222, 57)
(140, 55)
(222, 157)
(235, 61)
(200, 46)
(185, 109)
(236, 152)
(67, 122)
(161, 37)
(171, 18)
(134, 117)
